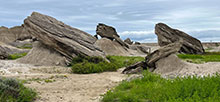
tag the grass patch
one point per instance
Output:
(207, 57)
(154, 88)
(12, 90)
(88, 65)
(16, 56)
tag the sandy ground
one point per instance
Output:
(57, 84)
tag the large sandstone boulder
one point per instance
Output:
(167, 35)
(67, 41)
(109, 32)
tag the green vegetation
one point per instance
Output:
(14, 91)
(16, 56)
(88, 65)
(207, 57)
(154, 88)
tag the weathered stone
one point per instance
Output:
(106, 31)
(153, 58)
(167, 35)
(128, 40)
(109, 32)
(9, 35)
(162, 52)
(68, 41)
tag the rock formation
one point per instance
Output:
(65, 40)
(128, 40)
(109, 32)
(154, 57)
(167, 35)
(9, 35)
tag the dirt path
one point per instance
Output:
(57, 84)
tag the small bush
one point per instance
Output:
(16, 56)
(14, 91)
(153, 88)
(86, 65)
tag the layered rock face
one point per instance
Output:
(128, 40)
(109, 32)
(67, 41)
(167, 35)
(9, 35)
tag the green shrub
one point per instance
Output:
(153, 88)
(86, 65)
(207, 57)
(16, 56)
(14, 91)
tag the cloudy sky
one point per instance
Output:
(132, 18)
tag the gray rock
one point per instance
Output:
(162, 52)
(167, 35)
(109, 32)
(67, 41)
(153, 58)
(9, 35)
(128, 40)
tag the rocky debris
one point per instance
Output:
(41, 54)
(128, 40)
(152, 58)
(9, 35)
(167, 35)
(109, 32)
(67, 41)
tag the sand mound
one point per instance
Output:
(43, 55)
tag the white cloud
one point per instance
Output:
(136, 33)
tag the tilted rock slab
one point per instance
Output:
(167, 35)
(109, 32)
(153, 58)
(68, 41)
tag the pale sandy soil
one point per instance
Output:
(57, 84)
